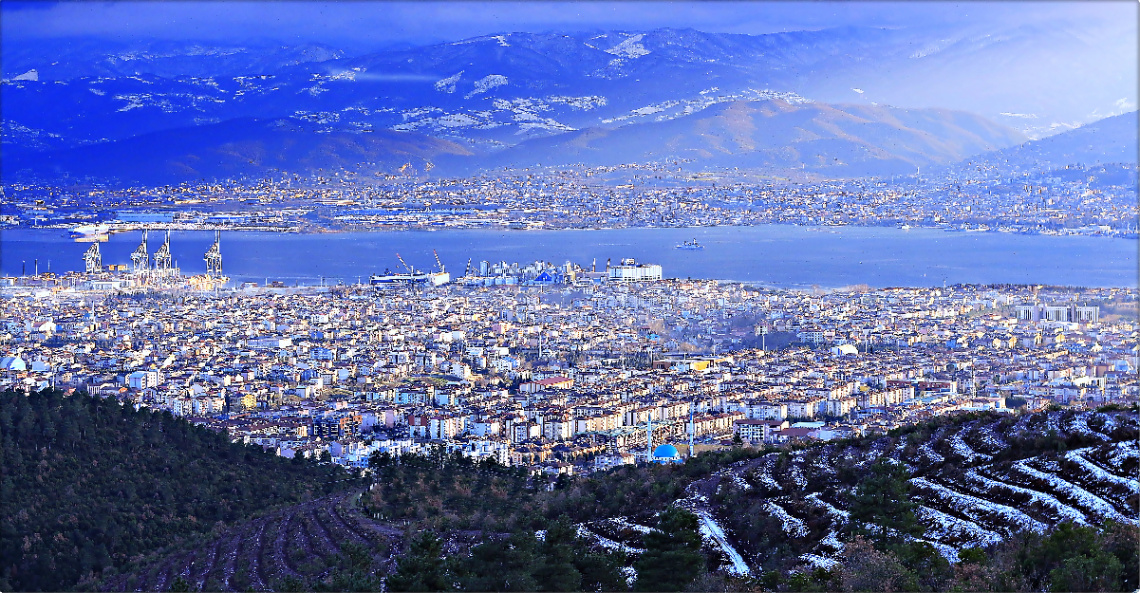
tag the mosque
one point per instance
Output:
(665, 453)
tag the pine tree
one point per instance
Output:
(421, 568)
(672, 557)
(557, 571)
(881, 506)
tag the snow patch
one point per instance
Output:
(487, 83)
(1064, 511)
(1078, 457)
(447, 85)
(792, 526)
(630, 47)
(710, 529)
(971, 505)
(1086, 499)
(944, 526)
(31, 75)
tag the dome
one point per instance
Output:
(666, 451)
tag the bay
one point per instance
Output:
(774, 255)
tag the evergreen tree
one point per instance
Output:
(503, 565)
(421, 568)
(557, 571)
(672, 557)
(882, 499)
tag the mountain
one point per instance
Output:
(831, 140)
(238, 148)
(71, 58)
(498, 90)
(774, 135)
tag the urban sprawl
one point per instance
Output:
(562, 368)
(1095, 200)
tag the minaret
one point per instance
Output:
(692, 427)
(649, 439)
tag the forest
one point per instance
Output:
(90, 486)
(101, 496)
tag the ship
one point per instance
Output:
(388, 278)
(87, 233)
(691, 245)
(412, 277)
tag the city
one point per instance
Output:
(387, 296)
(561, 371)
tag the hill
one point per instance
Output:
(249, 147)
(90, 485)
(976, 502)
(831, 140)
(1109, 140)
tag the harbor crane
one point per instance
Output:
(213, 257)
(405, 264)
(437, 262)
(93, 258)
(162, 257)
(140, 259)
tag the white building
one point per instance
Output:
(631, 271)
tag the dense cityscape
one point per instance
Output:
(561, 369)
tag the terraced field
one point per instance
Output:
(299, 541)
(974, 482)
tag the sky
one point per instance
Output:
(378, 24)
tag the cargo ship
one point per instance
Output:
(409, 278)
(412, 277)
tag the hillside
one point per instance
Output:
(246, 147)
(832, 140)
(1109, 140)
(89, 486)
(974, 494)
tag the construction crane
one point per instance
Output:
(437, 262)
(467, 272)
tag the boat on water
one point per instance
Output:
(691, 245)
(90, 233)
(412, 277)
(409, 278)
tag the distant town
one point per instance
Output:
(560, 368)
(1096, 200)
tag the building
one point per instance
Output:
(631, 271)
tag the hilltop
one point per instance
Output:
(975, 492)
(777, 135)
(90, 485)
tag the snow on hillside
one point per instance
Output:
(975, 501)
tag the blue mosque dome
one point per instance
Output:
(664, 452)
